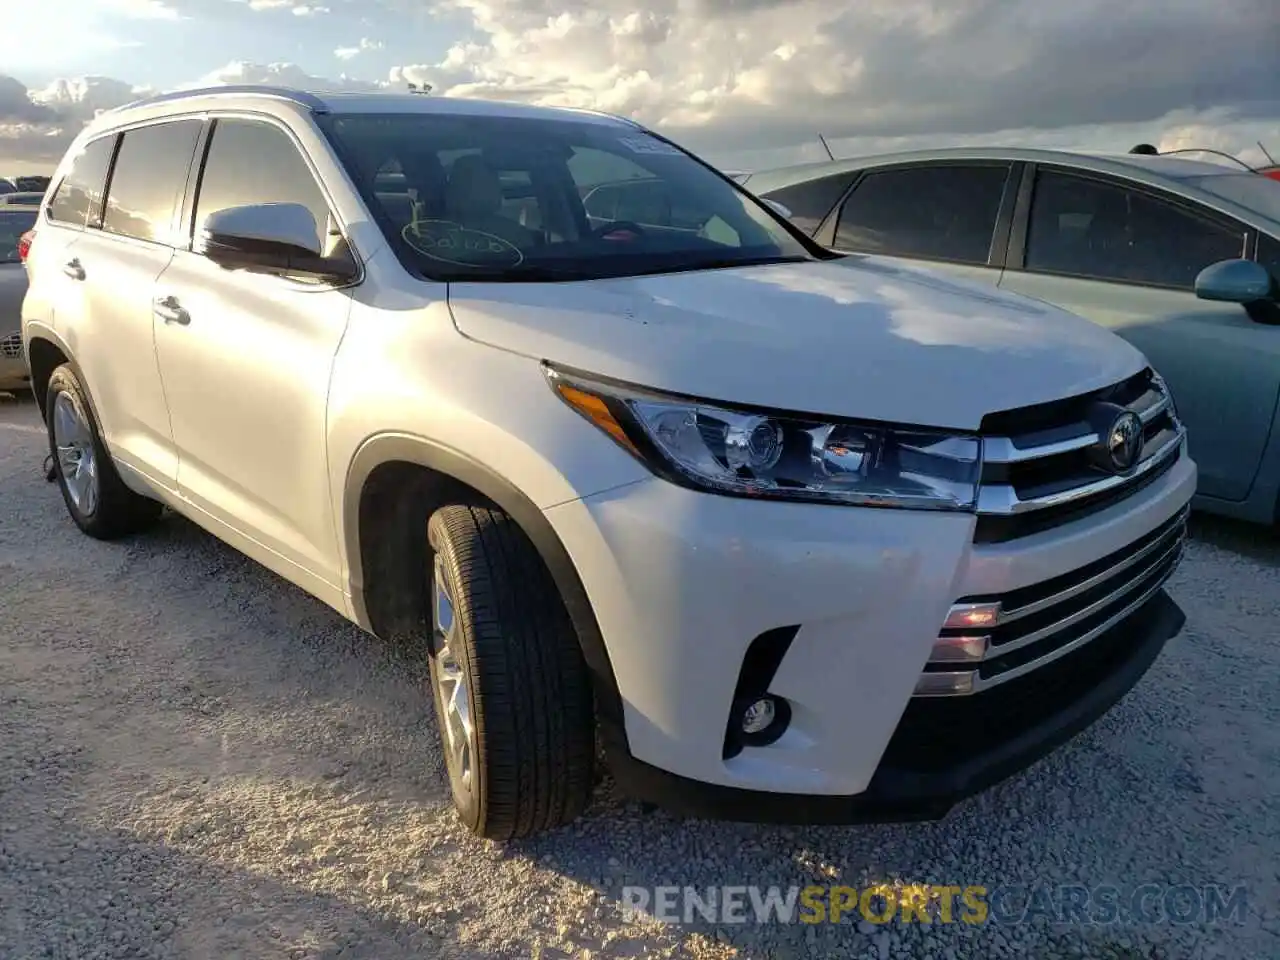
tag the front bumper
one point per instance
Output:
(946, 750)
(682, 583)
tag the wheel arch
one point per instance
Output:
(46, 351)
(393, 484)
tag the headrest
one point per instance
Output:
(474, 188)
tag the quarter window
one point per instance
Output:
(148, 179)
(946, 212)
(78, 199)
(1090, 228)
(810, 202)
(252, 163)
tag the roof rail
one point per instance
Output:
(300, 97)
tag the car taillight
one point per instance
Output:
(24, 245)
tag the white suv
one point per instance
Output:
(800, 535)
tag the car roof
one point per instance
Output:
(1176, 173)
(1141, 166)
(251, 96)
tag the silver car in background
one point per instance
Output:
(14, 222)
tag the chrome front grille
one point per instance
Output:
(1039, 465)
(11, 346)
(999, 638)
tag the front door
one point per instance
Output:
(246, 359)
(1128, 259)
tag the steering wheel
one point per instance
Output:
(617, 226)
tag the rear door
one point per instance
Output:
(1126, 256)
(55, 292)
(119, 257)
(951, 216)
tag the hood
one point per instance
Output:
(859, 337)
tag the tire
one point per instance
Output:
(97, 499)
(501, 635)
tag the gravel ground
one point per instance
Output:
(198, 760)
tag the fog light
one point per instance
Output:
(759, 716)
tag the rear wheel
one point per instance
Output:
(511, 689)
(97, 499)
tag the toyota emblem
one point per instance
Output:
(1124, 441)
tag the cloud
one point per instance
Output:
(142, 9)
(757, 80)
(737, 70)
(365, 44)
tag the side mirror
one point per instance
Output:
(779, 209)
(1236, 281)
(277, 238)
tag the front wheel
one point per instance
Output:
(511, 689)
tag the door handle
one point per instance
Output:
(170, 310)
(73, 269)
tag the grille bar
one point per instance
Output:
(1041, 466)
(1032, 626)
(1005, 449)
(1003, 500)
(11, 346)
(1011, 614)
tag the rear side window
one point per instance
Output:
(810, 202)
(944, 212)
(1103, 231)
(78, 199)
(148, 179)
(251, 162)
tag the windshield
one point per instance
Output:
(519, 199)
(1260, 194)
(14, 222)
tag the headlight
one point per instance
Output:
(757, 453)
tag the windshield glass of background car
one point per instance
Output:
(500, 198)
(1258, 193)
(13, 224)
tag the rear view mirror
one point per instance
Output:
(277, 238)
(1236, 281)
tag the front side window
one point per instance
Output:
(1098, 230)
(810, 202)
(14, 222)
(946, 212)
(501, 198)
(148, 179)
(251, 162)
(78, 199)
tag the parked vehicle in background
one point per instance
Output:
(26, 184)
(15, 222)
(1121, 240)
(21, 199)
(804, 537)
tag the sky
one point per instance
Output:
(748, 84)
